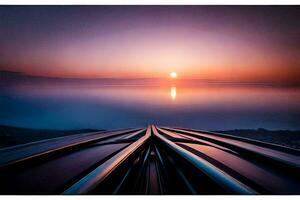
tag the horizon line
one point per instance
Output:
(16, 74)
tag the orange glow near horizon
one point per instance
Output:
(175, 51)
(275, 74)
(193, 42)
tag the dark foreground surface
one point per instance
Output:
(152, 160)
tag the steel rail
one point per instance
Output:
(92, 179)
(287, 159)
(82, 141)
(191, 139)
(221, 178)
(277, 147)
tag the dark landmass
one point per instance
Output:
(282, 137)
(10, 136)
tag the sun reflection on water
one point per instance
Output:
(173, 93)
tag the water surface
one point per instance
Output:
(202, 106)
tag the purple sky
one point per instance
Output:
(214, 42)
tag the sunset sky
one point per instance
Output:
(206, 42)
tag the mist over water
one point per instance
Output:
(102, 106)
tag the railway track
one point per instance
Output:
(152, 160)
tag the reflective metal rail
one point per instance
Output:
(153, 160)
(95, 177)
(24, 152)
(219, 176)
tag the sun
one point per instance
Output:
(173, 75)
